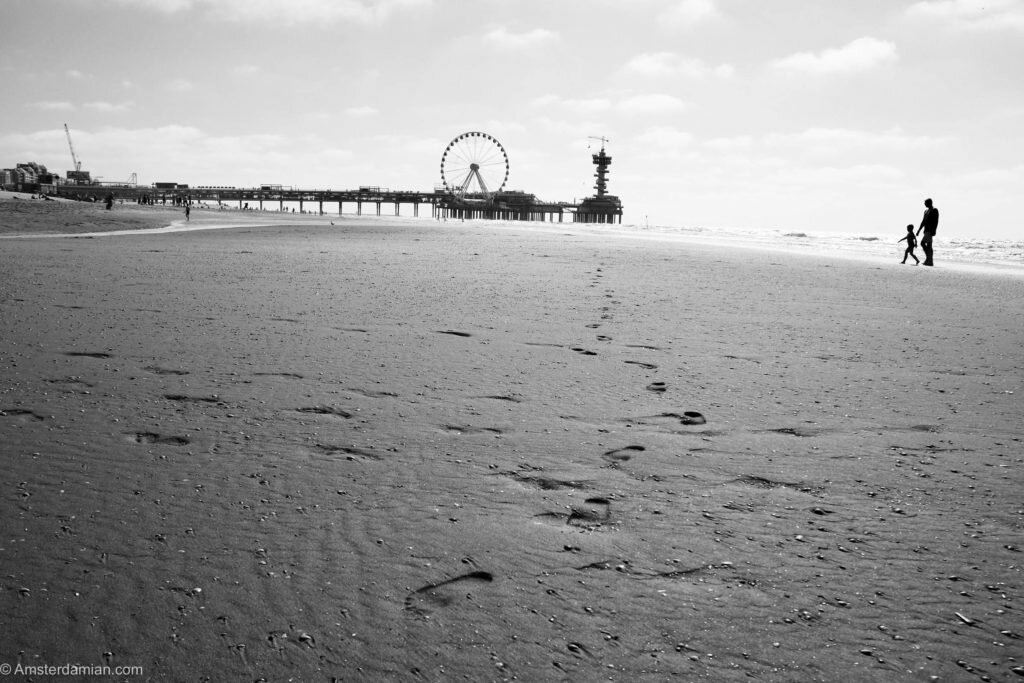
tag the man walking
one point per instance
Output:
(930, 225)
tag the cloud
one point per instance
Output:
(75, 74)
(109, 107)
(180, 85)
(283, 12)
(504, 39)
(860, 55)
(731, 144)
(53, 106)
(663, 142)
(362, 110)
(668, 64)
(653, 103)
(972, 14)
(844, 140)
(579, 106)
(688, 13)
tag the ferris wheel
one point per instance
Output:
(474, 165)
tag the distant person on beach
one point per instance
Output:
(930, 225)
(911, 243)
(188, 209)
(110, 200)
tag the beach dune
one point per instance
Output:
(410, 450)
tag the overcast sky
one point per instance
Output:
(793, 114)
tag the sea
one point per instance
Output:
(982, 253)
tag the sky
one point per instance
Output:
(798, 115)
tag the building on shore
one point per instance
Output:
(28, 177)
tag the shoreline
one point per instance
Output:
(157, 220)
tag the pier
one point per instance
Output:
(474, 170)
(511, 206)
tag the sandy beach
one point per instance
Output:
(420, 451)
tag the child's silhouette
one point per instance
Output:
(911, 243)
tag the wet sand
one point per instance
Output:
(409, 450)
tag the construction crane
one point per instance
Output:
(589, 137)
(78, 164)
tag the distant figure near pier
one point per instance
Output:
(930, 225)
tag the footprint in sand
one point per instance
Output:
(623, 454)
(428, 599)
(583, 352)
(690, 417)
(454, 333)
(657, 387)
(593, 512)
(645, 366)
(153, 437)
(88, 354)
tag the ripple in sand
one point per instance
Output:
(469, 429)
(22, 413)
(157, 370)
(765, 483)
(350, 452)
(325, 410)
(183, 398)
(546, 483)
(796, 431)
(510, 399)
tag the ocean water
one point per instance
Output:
(1005, 255)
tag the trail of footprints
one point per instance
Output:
(595, 513)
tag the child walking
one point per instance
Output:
(911, 243)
